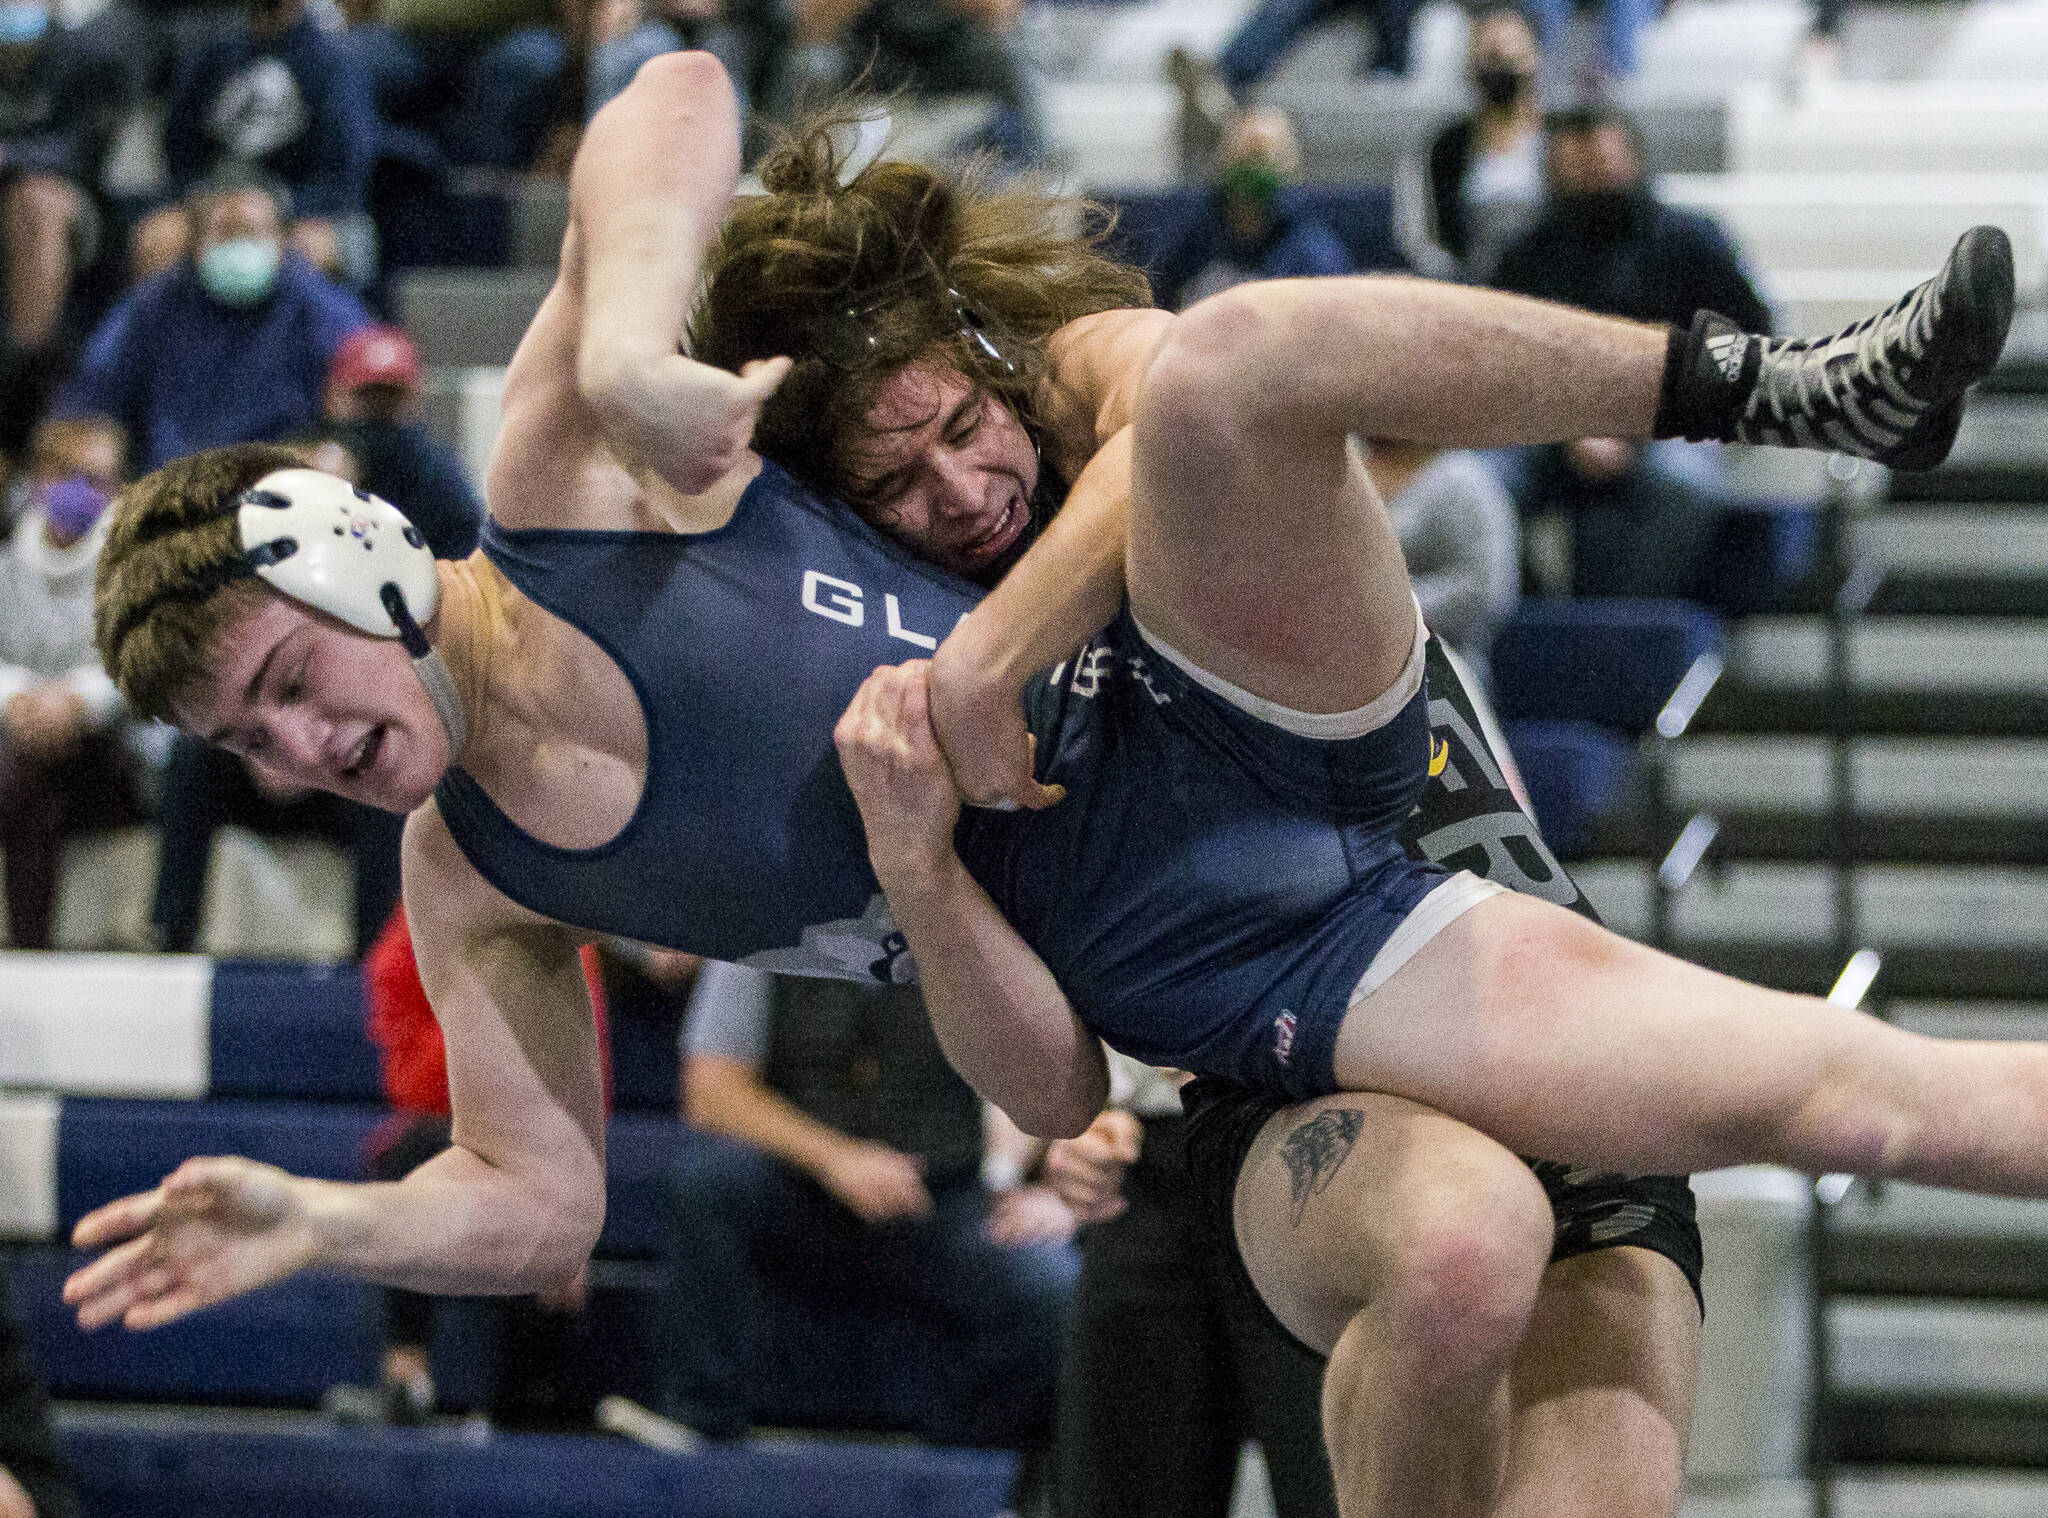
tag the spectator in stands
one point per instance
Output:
(533, 1380)
(1460, 538)
(91, 447)
(1170, 1365)
(277, 92)
(33, 1481)
(61, 101)
(744, 35)
(925, 47)
(1252, 225)
(1643, 516)
(232, 345)
(65, 762)
(373, 388)
(1460, 199)
(843, 1146)
(373, 410)
(528, 91)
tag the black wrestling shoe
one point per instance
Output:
(1889, 388)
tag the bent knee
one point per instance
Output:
(1219, 378)
(1461, 1281)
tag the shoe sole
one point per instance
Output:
(1979, 293)
(1977, 307)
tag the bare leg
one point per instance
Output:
(1602, 1391)
(39, 216)
(1559, 1038)
(1257, 543)
(1411, 1249)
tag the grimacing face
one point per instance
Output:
(311, 703)
(954, 468)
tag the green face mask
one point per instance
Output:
(242, 271)
(1250, 182)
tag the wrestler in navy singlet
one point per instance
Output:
(1209, 894)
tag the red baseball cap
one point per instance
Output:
(375, 356)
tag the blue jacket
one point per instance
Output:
(182, 372)
(1299, 244)
(300, 104)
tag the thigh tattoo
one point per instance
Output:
(1314, 1150)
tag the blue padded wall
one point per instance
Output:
(1614, 662)
(181, 1468)
(291, 1031)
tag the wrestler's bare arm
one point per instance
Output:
(1000, 1016)
(606, 424)
(1071, 582)
(514, 1205)
(652, 181)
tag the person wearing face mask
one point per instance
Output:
(1463, 195)
(65, 764)
(1642, 517)
(1251, 225)
(277, 91)
(230, 345)
(373, 410)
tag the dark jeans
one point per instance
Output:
(1649, 532)
(1170, 1366)
(43, 803)
(1264, 36)
(206, 788)
(733, 1207)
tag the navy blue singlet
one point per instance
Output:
(1209, 894)
(744, 646)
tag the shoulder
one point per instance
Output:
(449, 902)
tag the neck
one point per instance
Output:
(465, 629)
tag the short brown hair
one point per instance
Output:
(901, 265)
(171, 579)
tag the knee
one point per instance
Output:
(1461, 1281)
(1203, 384)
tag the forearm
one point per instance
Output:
(1060, 594)
(736, 1105)
(1002, 1019)
(650, 186)
(455, 1225)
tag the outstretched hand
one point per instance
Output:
(214, 1228)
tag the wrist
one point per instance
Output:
(974, 665)
(332, 1223)
(912, 877)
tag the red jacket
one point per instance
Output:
(408, 1039)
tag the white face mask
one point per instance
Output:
(241, 271)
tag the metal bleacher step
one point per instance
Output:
(1912, 675)
(1945, 932)
(2001, 452)
(1958, 559)
(1953, 801)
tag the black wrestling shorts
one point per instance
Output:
(1593, 1209)
(1468, 818)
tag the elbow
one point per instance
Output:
(1069, 1114)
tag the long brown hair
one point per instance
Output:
(901, 265)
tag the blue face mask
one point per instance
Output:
(22, 22)
(241, 271)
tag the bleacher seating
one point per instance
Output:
(123, 1066)
(1578, 683)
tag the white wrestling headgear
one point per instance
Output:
(329, 545)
